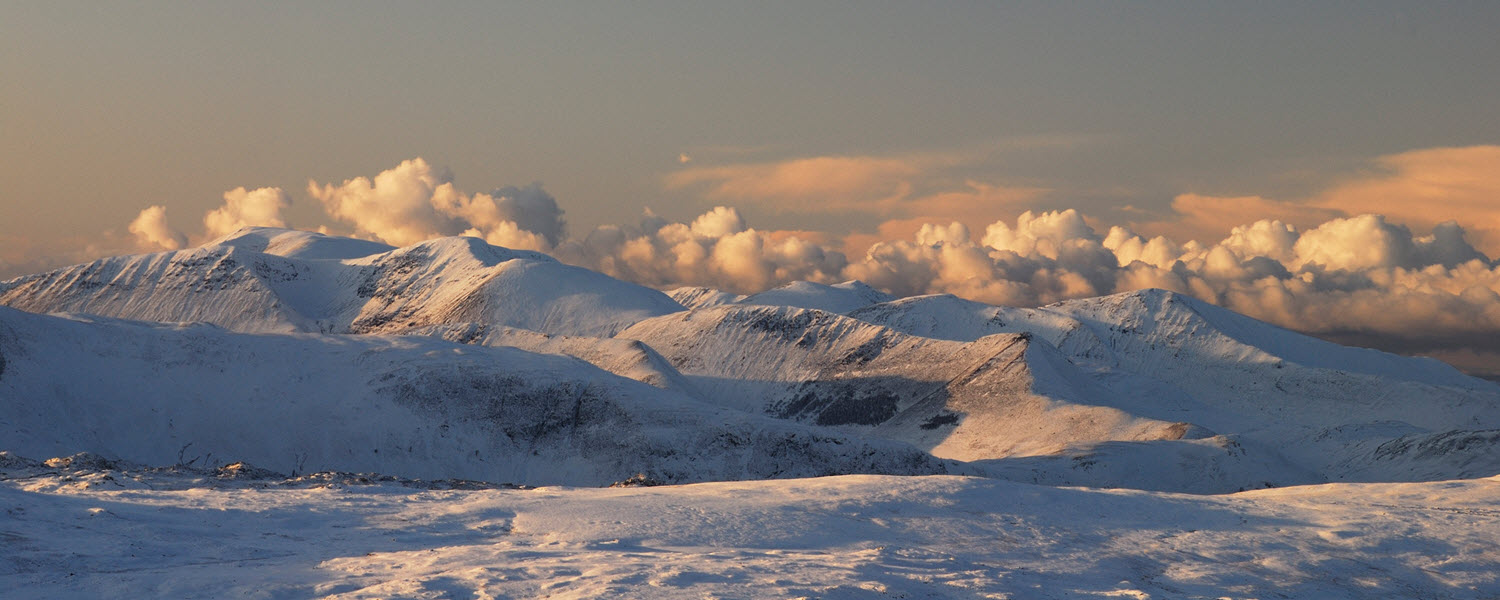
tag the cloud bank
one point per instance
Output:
(413, 202)
(1379, 258)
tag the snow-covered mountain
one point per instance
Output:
(838, 298)
(1170, 356)
(271, 280)
(702, 297)
(410, 405)
(997, 396)
(1146, 389)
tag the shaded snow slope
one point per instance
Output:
(839, 298)
(626, 358)
(404, 405)
(268, 280)
(102, 534)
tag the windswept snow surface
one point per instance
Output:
(128, 534)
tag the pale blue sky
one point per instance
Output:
(109, 107)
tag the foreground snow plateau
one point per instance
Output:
(142, 533)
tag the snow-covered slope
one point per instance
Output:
(403, 405)
(268, 280)
(702, 297)
(1172, 357)
(1145, 389)
(998, 396)
(291, 243)
(623, 357)
(839, 298)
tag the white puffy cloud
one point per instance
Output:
(1423, 188)
(413, 202)
(1360, 275)
(152, 232)
(247, 208)
(717, 249)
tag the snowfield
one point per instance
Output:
(114, 534)
(810, 441)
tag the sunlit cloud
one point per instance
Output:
(717, 249)
(819, 184)
(152, 232)
(1422, 188)
(1200, 217)
(247, 208)
(413, 202)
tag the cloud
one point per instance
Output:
(246, 208)
(913, 185)
(717, 249)
(1357, 276)
(1199, 217)
(1425, 187)
(817, 184)
(413, 202)
(1418, 189)
(152, 232)
(1403, 278)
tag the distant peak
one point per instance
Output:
(295, 243)
(475, 248)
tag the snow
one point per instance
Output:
(702, 297)
(115, 534)
(839, 298)
(291, 243)
(943, 432)
(265, 280)
(412, 406)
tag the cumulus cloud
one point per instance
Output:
(247, 208)
(413, 202)
(717, 249)
(1422, 188)
(152, 232)
(1200, 217)
(1361, 275)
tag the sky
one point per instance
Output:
(1328, 167)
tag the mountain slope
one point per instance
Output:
(838, 298)
(268, 280)
(1172, 357)
(404, 405)
(998, 396)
